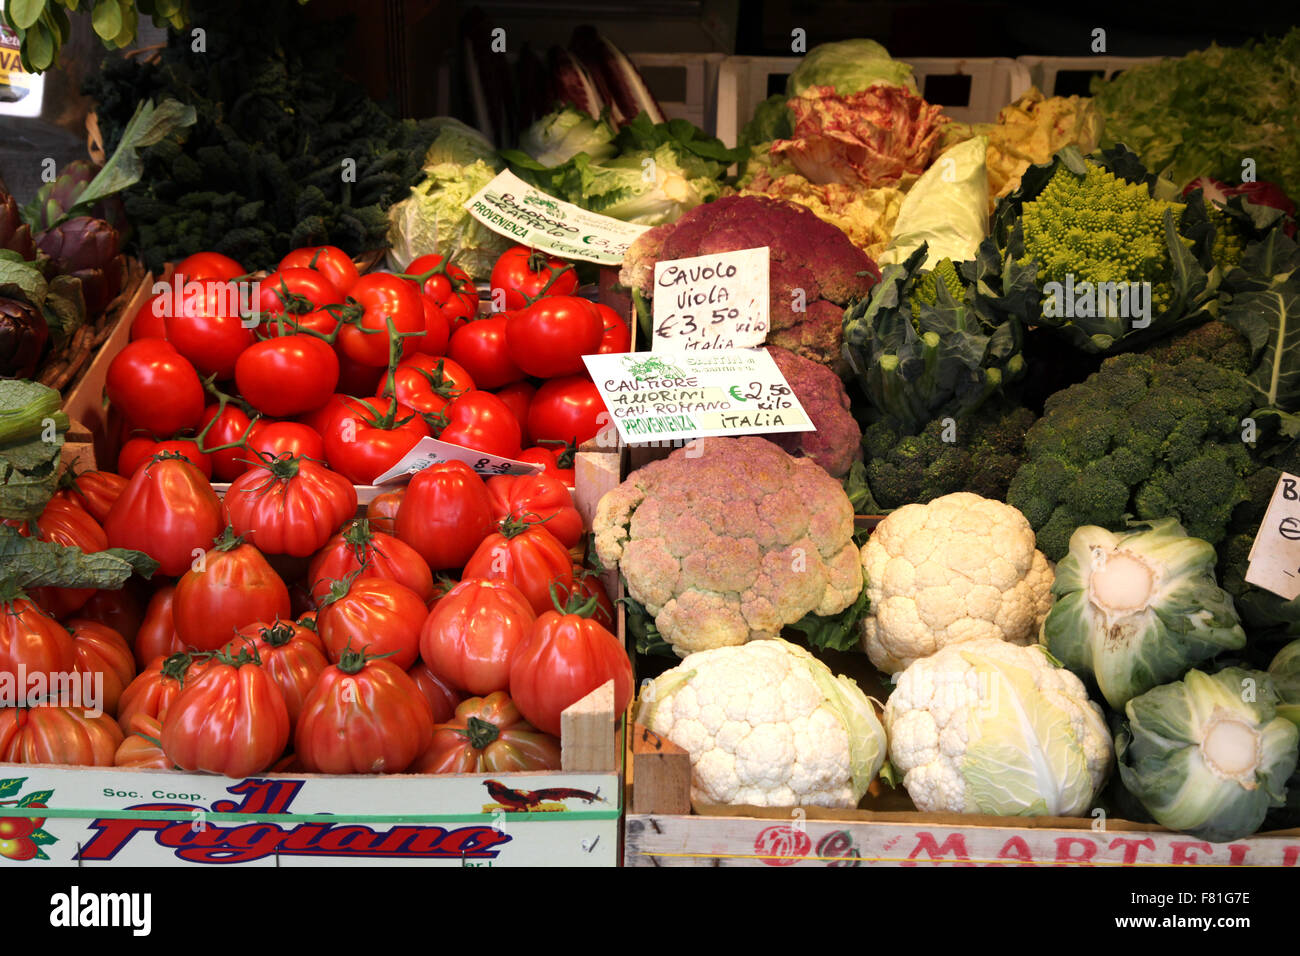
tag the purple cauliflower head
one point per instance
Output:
(815, 269)
(837, 442)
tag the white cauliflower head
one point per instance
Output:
(991, 727)
(769, 725)
(730, 539)
(957, 569)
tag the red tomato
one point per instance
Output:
(156, 388)
(372, 614)
(371, 437)
(488, 735)
(122, 610)
(320, 419)
(208, 330)
(551, 463)
(380, 297)
(567, 409)
(617, 337)
(480, 347)
(284, 439)
(549, 338)
(382, 511)
(150, 321)
(157, 685)
(140, 749)
(292, 656)
(363, 716)
(357, 379)
(167, 511)
(587, 585)
(472, 636)
(529, 557)
(524, 273)
(231, 720)
(427, 383)
(517, 398)
(565, 658)
(93, 490)
(435, 279)
(437, 330)
(231, 588)
(67, 523)
(101, 650)
(209, 265)
(295, 292)
(442, 697)
(62, 735)
(232, 426)
(444, 514)
(290, 506)
(537, 499)
(157, 635)
(288, 375)
(330, 261)
(141, 449)
(481, 421)
(32, 640)
(380, 555)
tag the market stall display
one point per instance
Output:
(982, 553)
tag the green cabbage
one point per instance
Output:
(650, 188)
(1285, 671)
(850, 66)
(458, 143)
(946, 209)
(433, 220)
(1138, 609)
(558, 137)
(1208, 755)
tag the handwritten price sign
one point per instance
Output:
(712, 302)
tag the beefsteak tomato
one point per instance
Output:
(488, 735)
(471, 637)
(231, 587)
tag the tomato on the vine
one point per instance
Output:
(375, 300)
(549, 338)
(365, 715)
(522, 273)
(567, 409)
(481, 348)
(142, 449)
(427, 383)
(230, 587)
(370, 437)
(517, 398)
(617, 337)
(232, 425)
(537, 499)
(295, 291)
(150, 320)
(209, 265)
(481, 421)
(330, 261)
(277, 439)
(155, 386)
(288, 375)
(437, 328)
(208, 330)
(556, 465)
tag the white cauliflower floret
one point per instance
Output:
(767, 724)
(960, 568)
(992, 727)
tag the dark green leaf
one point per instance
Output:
(1270, 320)
(28, 563)
(36, 796)
(11, 785)
(29, 472)
(837, 632)
(23, 13)
(22, 280)
(65, 308)
(42, 837)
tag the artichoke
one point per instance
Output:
(87, 249)
(54, 200)
(15, 235)
(23, 337)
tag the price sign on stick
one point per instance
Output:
(712, 302)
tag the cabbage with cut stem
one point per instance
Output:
(1138, 609)
(1208, 755)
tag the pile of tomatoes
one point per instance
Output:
(281, 632)
(352, 371)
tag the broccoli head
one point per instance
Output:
(728, 540)
(980, 453)
(815, 269)
(1216, 342)
(1137, 438)
(837, 442)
